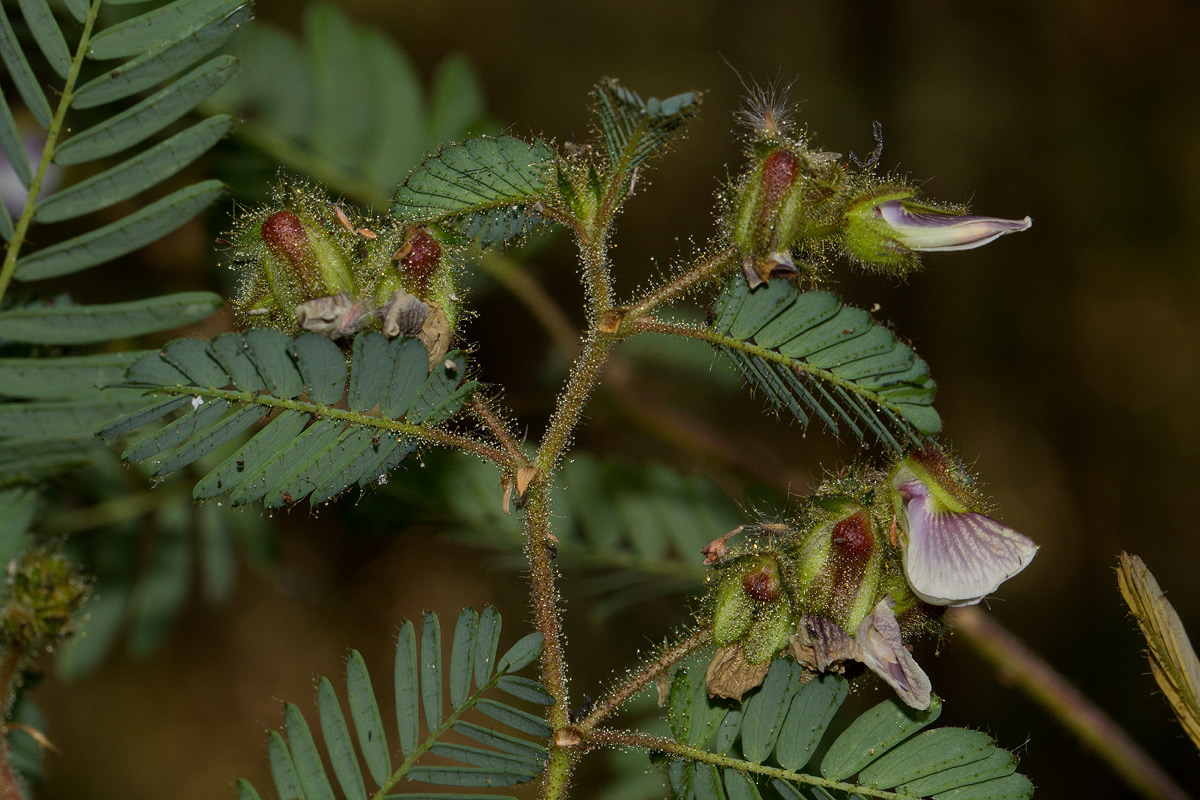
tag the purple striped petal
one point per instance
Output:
(884, 653)
(926, 231)
(958, 558)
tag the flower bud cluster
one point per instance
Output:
(871, 559)
(44, 590)
(309, 264)
(793, 202)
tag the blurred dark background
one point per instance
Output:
(1068, 357)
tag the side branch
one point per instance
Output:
(484, 412)
(711, 268)
(1065, 703)
(669, 657)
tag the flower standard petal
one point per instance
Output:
(931, 231)
(957, 558)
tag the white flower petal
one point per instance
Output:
(931, 232)
(957, 559)
(884, 653)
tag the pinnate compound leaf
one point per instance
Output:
(283, 769)
(521, 654)
(149, 223)
(883, 751)
(408, 698)
(634, 129)
(6, 224)
(808, 718)
(62, 378)
(488, 188)
(431, 670)
(311, 447)
(462, 656)
(763, 713)
(13, 147)
(21, 73)
(354, 100)
(873, 733)
(524, 689)
(502, 760)
(47, 34)
(78, 9)
(65, 324)
(165, 23)
(246, 791)
(163, 61)
(141, 121)
(137, 174)
(813, 356)
(309, 769)
(1011, 787)
(368, 722)
(337, 741)
(487, 641)
(926, 753)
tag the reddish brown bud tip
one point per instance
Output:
(852, 538)
(285, 236)
(762, 583)
(421, 259)
(779, 173)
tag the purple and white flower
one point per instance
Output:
(953, 554)
(926, 230)
(822, 645)
(886, 229)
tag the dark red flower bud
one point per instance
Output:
(419, 258)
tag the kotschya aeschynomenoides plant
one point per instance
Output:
(351, 359)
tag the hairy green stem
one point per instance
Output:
(13, 249)
(1065, 703)
(569, 408)
(608, 737)
(711, 268)
(539, 550)
(659, 665)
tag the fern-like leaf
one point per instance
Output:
(633, 130)
(813, 356)
(311, 447)
(68, 324)
(488, 189)
(884, 752)
(155, 46)
(504, 760)
(354, 116)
